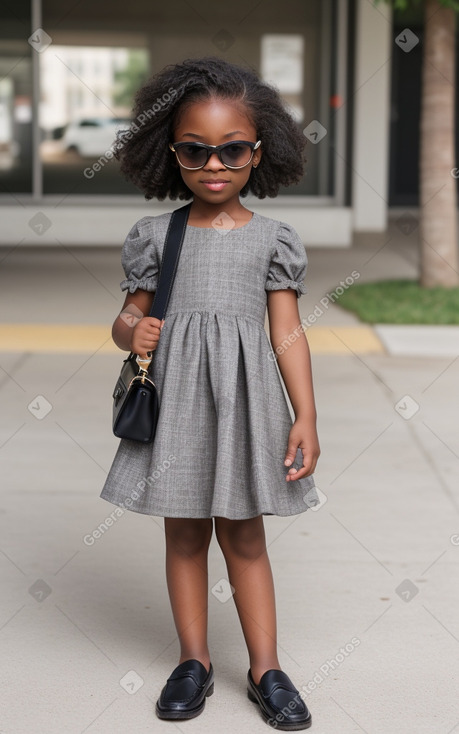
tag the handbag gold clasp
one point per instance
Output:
(144, 363)
(142, 379)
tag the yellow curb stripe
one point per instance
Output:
(344, 340)
(63, 338)
(57, 338)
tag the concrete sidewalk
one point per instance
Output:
(366, 599)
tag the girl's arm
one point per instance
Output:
(132, 331)
(290, 345)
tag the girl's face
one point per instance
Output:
(214, 122)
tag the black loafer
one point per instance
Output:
(184, 695)
(280, 702)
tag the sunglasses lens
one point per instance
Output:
(192, 156)
(236, 155)
(233, 155)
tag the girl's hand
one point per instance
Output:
(302, 434)
(145, 336)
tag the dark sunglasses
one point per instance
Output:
(235, 154)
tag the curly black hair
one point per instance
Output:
(143, 152)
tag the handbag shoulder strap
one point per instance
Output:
(171, 254)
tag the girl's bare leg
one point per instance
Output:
(249, 572)
(187, 543)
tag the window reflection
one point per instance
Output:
(86, 97)
(282, 62)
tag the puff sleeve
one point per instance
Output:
(289, 262)
(139, 259)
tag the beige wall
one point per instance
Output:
(371, 116)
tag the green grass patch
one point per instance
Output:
(401, 302)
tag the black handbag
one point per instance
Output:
(135, 397)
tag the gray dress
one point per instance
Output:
(224, 421)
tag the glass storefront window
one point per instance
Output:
(85, 97)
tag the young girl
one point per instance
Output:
(211, 131)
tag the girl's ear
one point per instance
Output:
(256, 157)
(173, 156)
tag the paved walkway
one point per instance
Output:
(366, 586)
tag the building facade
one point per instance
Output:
(69, 72)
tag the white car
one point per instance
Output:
(92, 136)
